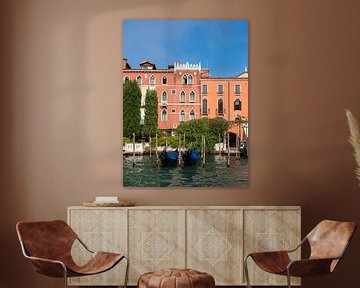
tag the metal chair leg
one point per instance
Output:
(127, 271)
(246, 272)
(288, 278)
(65, 275)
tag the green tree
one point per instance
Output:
(170, 141)
(210, 128)
(151, 113)
(131, 109)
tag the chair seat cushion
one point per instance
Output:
(176, 278)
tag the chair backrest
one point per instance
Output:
(329, 239)
(46, 239)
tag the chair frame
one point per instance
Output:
(26, 255)
(305, 239)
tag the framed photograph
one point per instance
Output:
(185, 103)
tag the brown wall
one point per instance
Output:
(60, 113)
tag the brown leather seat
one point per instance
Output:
(176, 278)
(48, 245)
(328, 242)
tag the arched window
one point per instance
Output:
(237, 104)
(220, 107)
(184, 80)
(192, 115)
(182, 97)
(163, 115)
(192, 97)
(127, 78)
(164, 80)
(138, 80)
(204, 107)
(152, 80)
(190, 80)
(182, 115)
(164, 99)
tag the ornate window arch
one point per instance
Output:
(184, 80)
(237, 104)
(192, 97)
(164, 80)
(182, 116)
(189, 79)
(152, 80)
(182, 97)
(163, 115)
(191, 115)
(164, 98)
(139, 80)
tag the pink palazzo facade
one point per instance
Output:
(181, 96)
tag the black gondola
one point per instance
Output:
(191, 156)
(243, 150)
(169, 158)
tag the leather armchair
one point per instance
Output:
(328, 242)
(48, 245)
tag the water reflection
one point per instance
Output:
(143, 171)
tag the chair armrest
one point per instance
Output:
(281, 251)
(32, 258)
(298, 246)
(268, 253)
(309, 267)
(48, 267)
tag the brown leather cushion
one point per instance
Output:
(176, 278)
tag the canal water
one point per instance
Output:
(215, 173)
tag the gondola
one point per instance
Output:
(169, 158)
(243, 150)
(191, 156)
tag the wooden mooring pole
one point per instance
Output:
(237, 152)
(150, 144)
(203, 150)
(180, 158)
(228, 148)
(219, 145)
(156, 150)
(133, 149)
(156, 146)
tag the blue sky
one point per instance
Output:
(220, 45)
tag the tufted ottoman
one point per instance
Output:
(176, 278)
